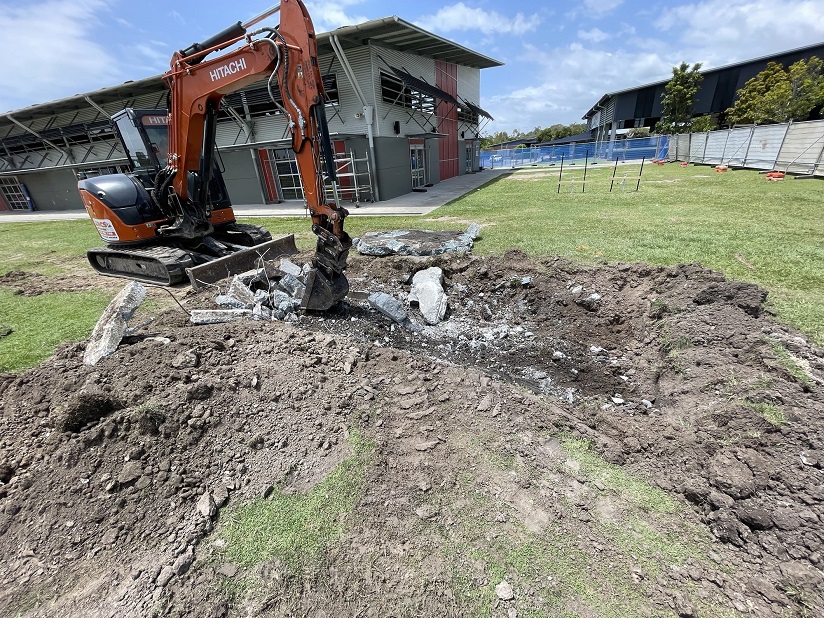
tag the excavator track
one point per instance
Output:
(157, 265)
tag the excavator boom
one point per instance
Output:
(180, 195)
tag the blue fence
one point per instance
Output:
(623, 150)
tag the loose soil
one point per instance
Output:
(619, 440)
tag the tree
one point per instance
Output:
(678, 99)
(776, 95)
(702, 124)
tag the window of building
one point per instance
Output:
(259, 102)
(13, 193)
(394, 91)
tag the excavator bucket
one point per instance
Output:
(322, 292)
(247, 259)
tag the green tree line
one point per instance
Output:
(556, 131)
(775, 95)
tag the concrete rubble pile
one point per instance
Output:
(416, 242)
(267, 293)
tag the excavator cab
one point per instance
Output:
(144, 135)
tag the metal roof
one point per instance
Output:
(399, 34)
(392, 32)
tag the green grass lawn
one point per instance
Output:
(690, 214)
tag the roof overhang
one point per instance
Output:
(477, 109)
(392, 32)
(422, 86)
(396, 33)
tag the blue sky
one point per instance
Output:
(559, 57)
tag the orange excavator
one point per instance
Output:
(171, 217)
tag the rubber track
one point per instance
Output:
(157, 265)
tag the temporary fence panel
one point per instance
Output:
(737, 145)
(682, 147)
(698, 143)
(765, 146)
(801, 151)
(714, 150)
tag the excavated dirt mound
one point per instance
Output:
(619, 440)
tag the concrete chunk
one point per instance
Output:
(427, 291)
(389, 306)
(288, 267)
(112, 324)
(292, 286)
(216, 316)
(241, 292)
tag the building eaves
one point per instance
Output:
(391, 31)
(404, 36)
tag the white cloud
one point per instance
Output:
(595, 35)
(328, 15)
(602, 7)
(461, 17)
(721, 33)
(49, 51)
(568, 81)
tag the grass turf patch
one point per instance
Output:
(295, 528)
(40, 323)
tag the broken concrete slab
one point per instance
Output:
(216, 316)
(416, 242)
(389, 306)
(112, 325)
(240, 291)
(428, 293)
(288, 267)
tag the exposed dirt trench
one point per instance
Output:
(700, 493)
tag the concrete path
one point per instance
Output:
(414, 203)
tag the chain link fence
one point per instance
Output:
(574, 154)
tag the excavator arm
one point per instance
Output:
(288, 55)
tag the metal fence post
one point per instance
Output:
(749, 145)
(781, 145)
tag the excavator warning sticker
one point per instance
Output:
(106, 230)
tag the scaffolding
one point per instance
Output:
(354, 179)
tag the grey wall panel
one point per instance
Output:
(240, 177)
(697, 143)
(682, 147)
(54, 190)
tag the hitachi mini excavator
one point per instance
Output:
(171, 217)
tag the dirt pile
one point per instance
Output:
(620, 440)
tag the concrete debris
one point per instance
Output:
(388, 306)
(240, 292)
(112, 324)
(216, 316)
(428, 294)
(504, 591)
(416, 242)
(292, 285)
(288, 267)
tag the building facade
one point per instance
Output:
(618, 112)
(402, 110)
